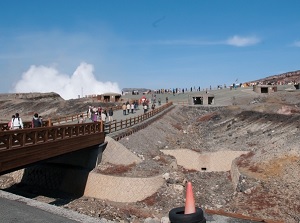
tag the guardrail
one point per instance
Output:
(54, 121)
(123, 124)
(31, 136)
(108, 127)
(4, 126)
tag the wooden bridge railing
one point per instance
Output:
(123, 124)
(54, 121)
(109, 127)
(31, 136)
(4, 126)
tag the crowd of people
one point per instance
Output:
(98, 113)
(130, 107)
(17, 123)
(177, 90)
(93, 113)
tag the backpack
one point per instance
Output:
(36, 122)
(13, 121)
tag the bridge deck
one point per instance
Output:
(22, 147)
(19, 148)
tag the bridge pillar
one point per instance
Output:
(87, 158)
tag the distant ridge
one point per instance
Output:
(292, 76)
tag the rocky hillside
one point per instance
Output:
(285, 78)
(267, 126)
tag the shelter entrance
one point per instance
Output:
(202, 99)
(211, 100)
(264, 89)
(198, 100)
(106, 98)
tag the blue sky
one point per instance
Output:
(77, 47)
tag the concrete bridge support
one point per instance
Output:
(67, 173)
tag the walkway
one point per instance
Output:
(118, 114)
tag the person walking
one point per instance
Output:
(124, 108)
(132, 107)
(10, 125)
(128, 108)
(36, 121)
(145, 108)
(153, 106)
(110, 115)
(81, 119)
(103, 117)
(89, 112)
(16, 122)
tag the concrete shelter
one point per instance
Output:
(264, 88)
(111, 97)
(202, 99)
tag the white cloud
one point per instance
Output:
(242, 41)
(48, 79)
(233, 41)
(187, 42)
(296, 43)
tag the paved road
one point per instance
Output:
(17, 209)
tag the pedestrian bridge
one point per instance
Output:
(22, 147)
(79, 145)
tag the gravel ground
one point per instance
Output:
(267, 126)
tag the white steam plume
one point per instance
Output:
(48, 79)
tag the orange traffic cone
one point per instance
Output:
(189, 200)
(189, 213)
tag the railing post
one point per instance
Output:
(35, 138)
(22, 143)
(101, 126)
(46, 136)
(9, 145)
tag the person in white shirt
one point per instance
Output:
(132, 107)
(103, 117)
(128, 108)
(16, 123)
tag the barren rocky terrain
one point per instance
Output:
(266, 126)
